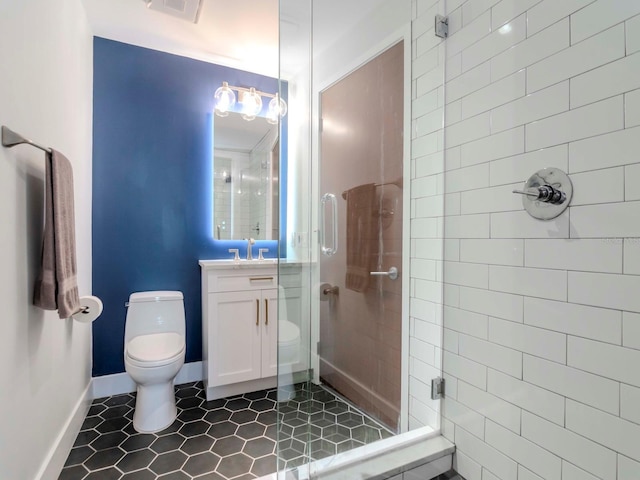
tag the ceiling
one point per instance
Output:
(241, 34)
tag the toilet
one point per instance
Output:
(154, 351)
(288, 349)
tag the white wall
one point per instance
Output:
(45, 93)
(542, 319)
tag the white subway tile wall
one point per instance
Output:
(541, 343)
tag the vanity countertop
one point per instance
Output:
(241, 264)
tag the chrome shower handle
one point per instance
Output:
(392, 273)
(332, 250)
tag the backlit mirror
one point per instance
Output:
(245, 178)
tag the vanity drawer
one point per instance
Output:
(222, 282)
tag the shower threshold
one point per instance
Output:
(420, 448)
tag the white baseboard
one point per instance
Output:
(55, 460)
(119, 383)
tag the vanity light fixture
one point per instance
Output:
(251, 100)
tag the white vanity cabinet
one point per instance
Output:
(239, 327)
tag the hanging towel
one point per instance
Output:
(361, 235)
(56, 286)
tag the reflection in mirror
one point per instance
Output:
(245, 178)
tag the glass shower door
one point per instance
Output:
(361, 225)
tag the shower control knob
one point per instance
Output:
(545, 193)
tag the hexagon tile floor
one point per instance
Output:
(232, 438)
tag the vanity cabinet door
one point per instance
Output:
(235, 337)
(269, 321)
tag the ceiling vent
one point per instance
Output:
(184, 9)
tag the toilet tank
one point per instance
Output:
(154, 312)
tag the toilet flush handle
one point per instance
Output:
(126, 304)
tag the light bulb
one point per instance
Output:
(225, 99)
(251, 104)
(277, 109)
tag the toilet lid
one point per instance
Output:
(288, 332)
(155, 346)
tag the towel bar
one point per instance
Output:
(11, 139)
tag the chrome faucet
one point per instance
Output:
(250, 241)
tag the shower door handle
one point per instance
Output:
(392, 273)
(326, 250)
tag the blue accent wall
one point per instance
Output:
(152, 184)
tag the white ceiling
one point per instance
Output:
(241, 34)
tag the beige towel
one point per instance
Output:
(56, 286)
(361, 235)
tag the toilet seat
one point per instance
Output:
(155, 349)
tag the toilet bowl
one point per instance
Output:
(288, 349)
(154, 352)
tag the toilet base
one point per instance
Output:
(155, 407)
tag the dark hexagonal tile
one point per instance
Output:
(192, 429)
(234, 465)
(110, 473)
(259, 447)
(264, 466)
(222, 429)
(138, 441)
(140, 475)
(116, 400)
(323, 396)
(189, 402)
(168, 462)
(192, 414)
(85, 438)
(167, 443)
(218, 415)
(321, 448)
(187, 392)
(90, 422)
(78, 455)
(211, 476)
(174, 427)
(267, 418)
(112, 425)
(250, 430)
(108, 440)
(198, 444)
(273, 395)
(77, 472)
(96, 410)
(228, 446)
(348, 445)
(263, 405)
(201, 463)
(288, 454)
(287, 407)
(256, 395)
(365, 434)
(179, 475)
(292, 444)
(116, 412)
(297, 461)
(212, 404)
(104, 458)
(243, 416)
(336, 407)
(350, 419)
(310, 406)
(136, 460)
(237, 404)
(308, 431)
(322, 419)
(271, 432)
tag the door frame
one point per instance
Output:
(402, 34)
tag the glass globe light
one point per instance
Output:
(277, 109)
(251, 104)
(225, 99)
